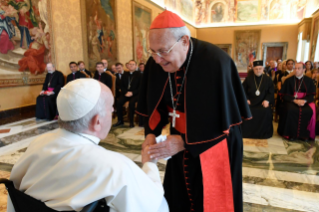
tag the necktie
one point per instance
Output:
(100, 77)
(73, 76)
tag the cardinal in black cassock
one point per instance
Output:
(259, 89)
(75, 73)
(46, 102)
(197, 86)
(298, 118)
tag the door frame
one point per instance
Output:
(275, 44)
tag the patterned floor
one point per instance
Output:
(278, 175)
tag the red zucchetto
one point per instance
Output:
(167, 19)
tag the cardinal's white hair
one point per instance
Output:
(180, 32)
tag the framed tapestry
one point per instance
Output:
(246, 48)
(142, 19)
(26, 43)
(225, 47)
(99, 31)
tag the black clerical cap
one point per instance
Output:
(258, 63)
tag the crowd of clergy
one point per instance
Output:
(123, 81)
(285, 91)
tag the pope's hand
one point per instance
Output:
(146, 157)
(173, 145)
(149, 140)
(42, 93)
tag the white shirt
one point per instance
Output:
(300, 77)
(67, 172)
(289, 71)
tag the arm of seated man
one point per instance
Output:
(138, 189)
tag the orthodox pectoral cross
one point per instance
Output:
(174, 115)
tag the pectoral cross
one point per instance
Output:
(174, 115)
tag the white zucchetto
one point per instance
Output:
(78, 98)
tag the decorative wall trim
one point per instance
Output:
(17, 114)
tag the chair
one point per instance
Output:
(113, 82)
(25, 203)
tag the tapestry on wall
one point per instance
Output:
(25, 44)
(99, 30)
(142, 18)
(246, 48)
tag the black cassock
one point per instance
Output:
(212, 104)
(46, 105)
(294, 120)
(104, 78)
(280, 101)
(260, 126)
(74, 76)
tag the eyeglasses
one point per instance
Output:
(163, 53)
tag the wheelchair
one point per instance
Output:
(25, 203)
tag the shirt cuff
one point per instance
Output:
(151, 170)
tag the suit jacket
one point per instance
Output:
(119, 78)
(135, 79)
(77, 75)
(104, 78)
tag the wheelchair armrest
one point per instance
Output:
(6, 182)
(91, 207)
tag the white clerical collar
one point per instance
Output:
(289, 71)
(105, 70)
(92, 138)
(299, 77)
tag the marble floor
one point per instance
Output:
(278, 175)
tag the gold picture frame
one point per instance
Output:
(25, 78)
(99, 42)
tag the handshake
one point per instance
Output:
(154, 148)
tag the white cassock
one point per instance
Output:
(67, 172)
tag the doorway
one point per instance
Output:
(274, 51)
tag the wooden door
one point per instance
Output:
(274, 53)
